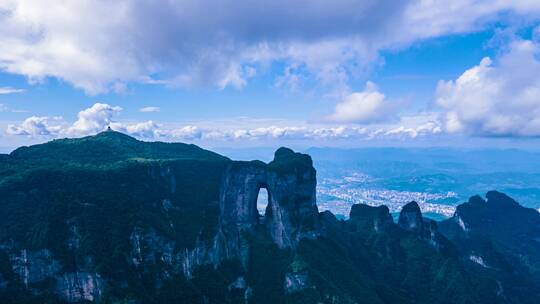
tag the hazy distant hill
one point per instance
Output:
(437, 170)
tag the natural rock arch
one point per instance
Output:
(263, 201)
(290, 181)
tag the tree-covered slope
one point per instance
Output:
(82, 199)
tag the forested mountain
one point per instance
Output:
(110, 219)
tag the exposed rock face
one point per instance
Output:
(367, 217)
(238, 201)
(33, 267)
(410, 218)
(496, 232)
(496, 216)
(80, 286)
(296, 281)
(291, 213)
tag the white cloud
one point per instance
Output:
(367, 106)
(89, 121)
(149, 109)
(144, 130)
(209, 43)
(316, 133)
(432, 18)
(9, 90)
(406, 129)
(37, 126)
(284, 133)
(184, 133)
(94, 119)
(496, 98)
(429, 128)
(56, 127)
(52, 127)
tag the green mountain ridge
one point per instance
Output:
(110, 146)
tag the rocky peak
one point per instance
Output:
(367, 217)
(498, 199)
(495, 232)
(499, 216)
(410, 217)
(283, 153)
(476, 199)
(291, 213)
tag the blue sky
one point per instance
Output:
(347, 73)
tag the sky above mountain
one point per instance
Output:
(259, 73)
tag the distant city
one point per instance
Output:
(338, 196)
(437, 179)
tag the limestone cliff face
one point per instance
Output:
(291, 213)
(410, 218)
(76, 285)
(367, 217)
(496, 232)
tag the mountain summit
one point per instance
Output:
(107, 147)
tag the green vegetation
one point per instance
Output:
(104, 186)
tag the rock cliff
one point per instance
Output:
(410, 217)
(497, 234)
(365, 217)
(291, 213)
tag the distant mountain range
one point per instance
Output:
(109, 219)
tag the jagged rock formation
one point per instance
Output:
(499, 237)
(410, 218)
(364, 217)
(291, 213)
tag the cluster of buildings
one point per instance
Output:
(339, 197)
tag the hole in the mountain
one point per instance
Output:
(262, 201)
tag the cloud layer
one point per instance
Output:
(101, 46)
(89, 121)
(496, 98)
(100, 116)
